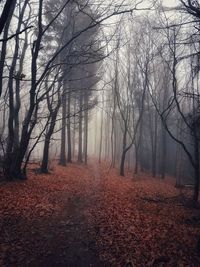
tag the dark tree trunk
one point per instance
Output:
(154, 164)
(154, 147)
(5, 20)
(114, 123)
(10, 152)
(101, 137)
(74, 132)
(106, 137)
(138, 145)
(13, 134)
(4, 43)
(113, 139)
(80, 143)
(16, 115)
(196, 187)
(178, 165)
(136, 158)
(45, 159)
(86, 130)
(196, 170)
(63, 160)
(95, 136)
(164, 150)
(123, 157)
(69, 145)
(17, 90)
(8, 9)
(14, 170)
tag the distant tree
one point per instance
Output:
(44, 56)
(182, 102)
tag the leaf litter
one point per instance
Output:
(122, 221)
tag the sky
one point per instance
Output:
(171, 2)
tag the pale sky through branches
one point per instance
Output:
(171, 2)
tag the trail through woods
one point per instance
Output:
(89, 216)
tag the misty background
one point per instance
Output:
(117, 81)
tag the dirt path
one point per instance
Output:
(47, 224)
(77, 248)
(63, 219)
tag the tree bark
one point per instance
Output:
(86, 130)
(15, 170)
(74, 132)
(164, 151)
(196, 170)
(101, 137)
(123, 157)
(69, 144)
(13, 112)
(136, 159)
(45, 159)
(4, 43)
(63, 160)
(80, 143)
(8, 9)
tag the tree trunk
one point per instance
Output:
(136, 158)
(196, 170)
(138, 145)
(106, 137)
(113, 139)
(196, 187)
(95, 136)
(123, 158)
(14, 170)
(114, 121)
(45, 159)
(101, 137)
(74, 132)
(8, 9)
(164, 150)
(17, 93)
(154, 147)
(63, 160)
(80, 143)
(10, 153)
(86, 130)
(178, 165)
(4, 43)
(69, 145)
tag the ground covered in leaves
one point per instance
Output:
(89, 216)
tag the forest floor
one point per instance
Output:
(90, 216)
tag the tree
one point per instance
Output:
(53, 107)
(186, 107)
(8, 9)
(27, 106)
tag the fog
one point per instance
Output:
(99, 133)
(116, 81)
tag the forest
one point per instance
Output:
(99, 133)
